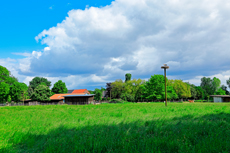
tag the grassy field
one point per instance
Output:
(149, 127)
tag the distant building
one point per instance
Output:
(74, 97)
(220, 98)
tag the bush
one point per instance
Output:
(116, 101)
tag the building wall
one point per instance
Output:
(226, 99)
(217, 99)
(78, 100)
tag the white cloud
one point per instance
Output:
(136, 36)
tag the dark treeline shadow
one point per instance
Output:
(209, 133)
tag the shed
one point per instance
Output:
(220, 98)
(78, 99)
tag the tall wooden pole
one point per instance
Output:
(165, 89)
(165, 67)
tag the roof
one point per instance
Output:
(80, 91)
(219, 96)
(61, 96)
(79, 95)
(70, 91)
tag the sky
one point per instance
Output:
(88, 43)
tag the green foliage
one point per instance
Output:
(200, 92)
(98, 94)
(4, 91)
(171, 94)
(18, 91)
(220, 91)
(59, 87)
(154, 88)
(117, 88)
(9, 99)
(37, 81)
(181, 88)
(225, 88)
(41, 93)
(128, 77)
(30, 91)
(210, 86)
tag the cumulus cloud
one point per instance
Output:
(136, 36)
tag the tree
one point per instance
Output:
(181, 88)
(154, 88)
(18, 91)
(225, 88)
(4, 91)
(128, 77)
(98, 94)
(59, 87)
(228, 82)
(117, 89)
(41, 93)
(9, 99)
(200, 92)
(37, 81)
(131, 89)
(220, 91)
(30, 91)
(192, 90)
(210, 86)
(108, 89)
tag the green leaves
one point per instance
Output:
(41, 93)
(59, 87)
(37, 81)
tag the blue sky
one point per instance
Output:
(89, 43)
(23, 20)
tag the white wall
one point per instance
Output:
(217, 99)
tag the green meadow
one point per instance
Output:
(132, 127)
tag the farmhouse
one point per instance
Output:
(73, 97)
(220, 98)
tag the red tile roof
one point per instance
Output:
(75, 92)
(80, 91)
(60, 96)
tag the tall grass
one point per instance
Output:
(149, 127)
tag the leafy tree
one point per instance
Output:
(98, 94)
(37, 81)
(128, 77)
(220, 91)
(171, 94)
(228, 82)
(181, 88)
(154, 88)
(30, 91)
(18, 91)
(6, 76)
(210, 86)
(193, 90)
(4, 91)
(59, 87)
(9, 99)
(225, 88)
(41, 93)
(131, 89)
(108, 89)
(118, 87)
(200, 92)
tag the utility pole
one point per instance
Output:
(165, 67)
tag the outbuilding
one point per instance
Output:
(220, 98)
(78, 99)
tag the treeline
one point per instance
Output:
(38, 89)
(153, 89)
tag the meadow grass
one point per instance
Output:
(148, 127)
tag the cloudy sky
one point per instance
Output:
(89, 43)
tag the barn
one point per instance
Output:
(220, 98)
(73, 97)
